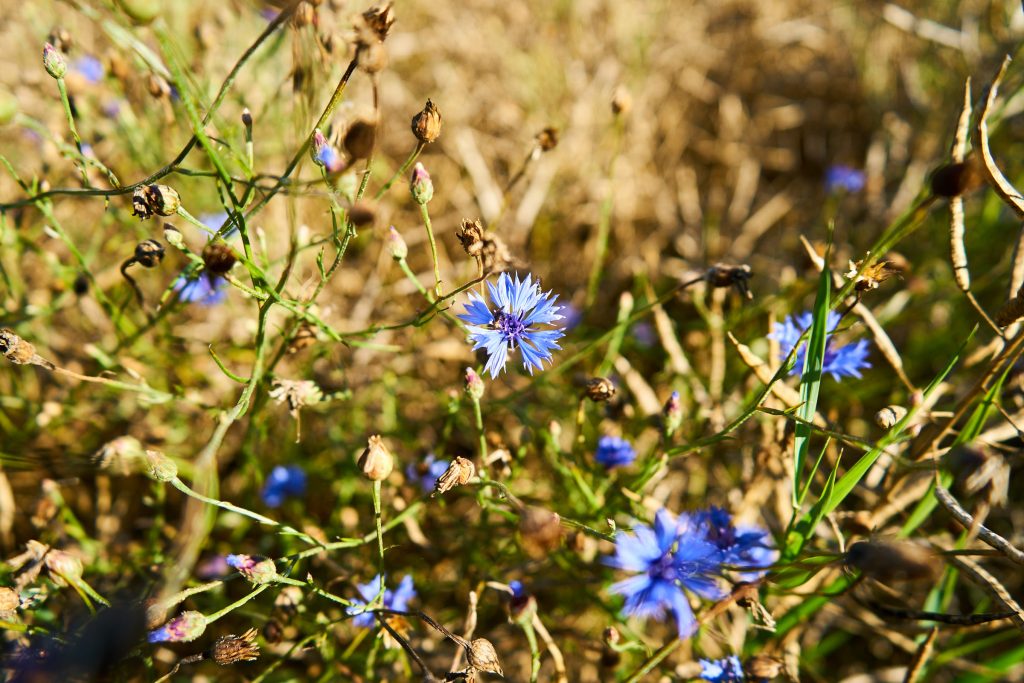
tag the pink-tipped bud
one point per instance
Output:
(183, 628)
(420, 185)
(258, 570)
(474, 384)
(54, 62)
(396, 245)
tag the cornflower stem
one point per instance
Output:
(63, 88)
(531, 638)
(402, 170)
(380, 528)
(478, 415)
(433, 247)
(224, 505)
(368, 538)
(210, 618)
(605, 221)
(189, 592)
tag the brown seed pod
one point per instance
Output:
(888, 561)
(547, 139)
(483, 657)
(231, 649)
(540, 531)
(376, 462)
(600, 389)
(360, 139)
(426, 125)
(459, 472)
(218, 257)
(149, 253)
(956, 179)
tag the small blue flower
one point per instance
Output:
(841, 178)
(519, 307)
(201, 289)
(90, 68)
(749, 547)
(426, 473)
(613, 451)
(283, 482)
(840, 361)
(397, 599)
(728, 670)
(665, 562)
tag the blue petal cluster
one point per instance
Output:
(613, 451)
(685, 554)
(840, 361)
(427, 472)
(841, 178)
(201, 289)
(728, 670)
(397, 599)
(283, 482)
(519, 308)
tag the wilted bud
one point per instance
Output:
(258, 570)
(247, 118)
(150, 200)
(459, 472)
(622, 101)
(673, 413)
(174, 237)
(305, 14)
(231, 649)
(360, 139)
(54, 62)
(149, 253)
(763, 667)
(420, 185)
(482, 657)
(159, 467)
(183, 628)
(547, 139)
(600, 389)
(887, 561)
(218, 257)
(379, 19)
(540, 531)
(426, 125)
(9, 599)
(63, 566)
(953, 180)
(474, 384)
(887, 417)
(471, 237)
(363, 213)
(396, 245)
(15, 349)
(376, 462)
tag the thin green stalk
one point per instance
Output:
(605, 220)
(210, 618)
(380, 527)
(403, 169)
(433, 248)
(63, 88)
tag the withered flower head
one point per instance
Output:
(459, 472)
(547, 139)
(149, 253)
(155, 200)
(122, 455)
(231, 649)
(471, 236)
(483, 657)
(426, 125)
(888, 416)
(600, 389)
(360, 139)
(63, 567)
(724, 275)
(495, 255)
(14, 348)
(540, 531)
(953, 180)
(873, 276)
(376, 462)
(218, 257)
(379, 19)
(891, 560)
(297, 393)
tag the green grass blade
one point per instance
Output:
(810, 381)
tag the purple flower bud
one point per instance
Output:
(397, 246)
(54, 62)
(183, 628)
(474, 385)
(420, 185)
(258, 570)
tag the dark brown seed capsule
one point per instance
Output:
(888, 561)
(149, 253)
(953, 180)
(360, 139)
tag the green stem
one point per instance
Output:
(401, 171)
(380, 527)
(433, 248)
(210, 618)
(605, 221)
(63, 88)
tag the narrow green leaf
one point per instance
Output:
(810, 380)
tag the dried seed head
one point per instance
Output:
(10, 600)
(426, 125)
(888, 416)
(379, 20)
(231, 649)
(547, 139)
(218, 257)
(15, 349)
(360, 139)
(396, 245)
(273, 632)
(1011, 311)
(763, 667)
(873, 276)
(459, 472)
(149, 253)
(363, 213)
(159, 467)
(953, 180)
(540, 531)
(890, 560)
(297, 393)
(54, 62)
(723, 275)
(471, 237)
(495, 255)
(483, 657)
(373, 56)
(420, 185)
(622, 101)
(600, 389)
(376, 462)
(159, 200)
(63, 567)
(474, 384)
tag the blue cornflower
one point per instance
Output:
(749, 547)
(201, 289)
(426, 473)
(728, 670)
(840, 178)
(839, 361)
(90, 68)
(613, 451)
(519, 307)
(666, 562)
(397, 599)
(284, 482)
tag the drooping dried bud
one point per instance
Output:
(159, 200)
(482, 657)
(379, 19)
(459, 472)
(723, 275)
(763, 667)
(474, 384)
(891, 560)
(183, 628)
(149, 253)
(54, 62)
(159, 467)
(360, 139)
(471, 237)
(231, 649)
(258, 570)
(953, 180)
(15, 349)
(873, 276)
(396, 245)
(622, 101)
(363, 213)
(10, 600)
(547, 139)
(540, 531)
(887, 417)
(673, 413)
(63, 567)
(426, 125)
(218, 257)
(600, 389)
(420, 185)
(376, 462)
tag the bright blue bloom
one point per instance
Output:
(519, 307)
(840, 361)
(518, 590)
(613, 451)
(426, 473)
(728, 670)
(841, 178)
(201, 289)
(90, 68)
(397, 599)
(665, 562)
(749, 547)
(283, 482)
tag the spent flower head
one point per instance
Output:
(520, 307)
(840, 361)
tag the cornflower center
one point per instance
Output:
(510, 326)
(663, 568)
